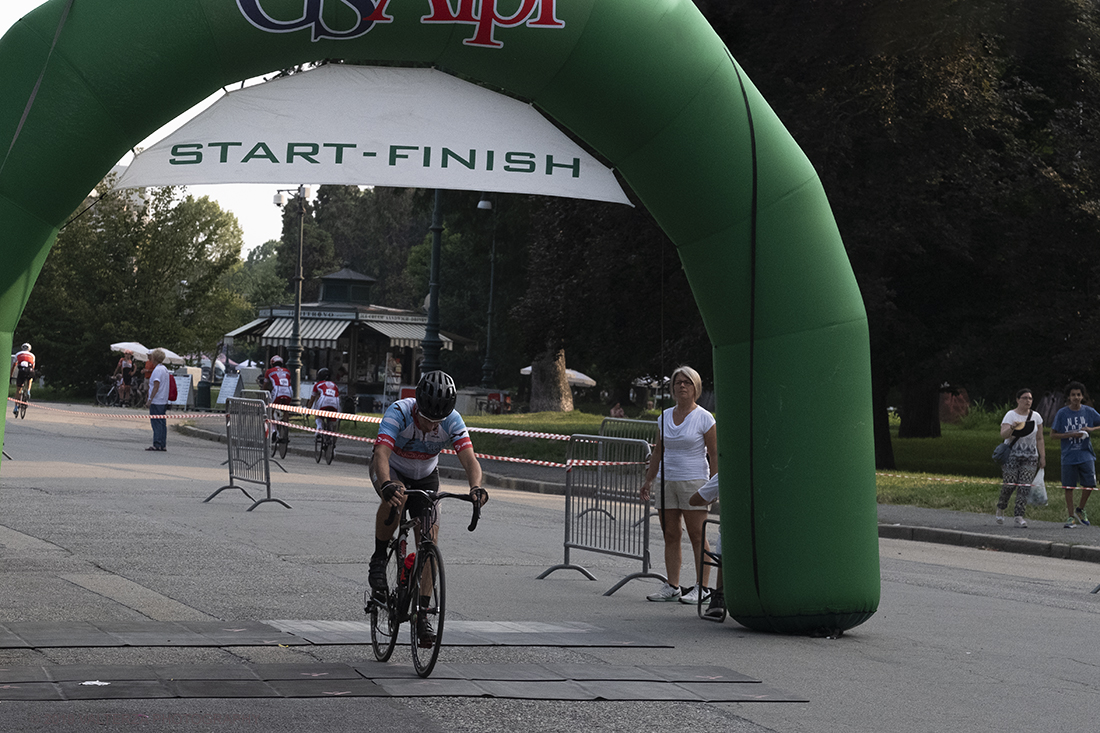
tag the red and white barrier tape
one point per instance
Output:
(354, 418)
(507, 459)
(115, 416)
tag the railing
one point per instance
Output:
(603, 510)
(246, 438)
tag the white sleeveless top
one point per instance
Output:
(685, 456)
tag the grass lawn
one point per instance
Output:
(957, 471)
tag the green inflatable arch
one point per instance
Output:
(647, 84)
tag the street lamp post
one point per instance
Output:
(432, 344)
(488, 372)
(294, 363)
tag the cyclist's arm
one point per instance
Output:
(380, 473)
(469, 462)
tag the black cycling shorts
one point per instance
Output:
(22, 375)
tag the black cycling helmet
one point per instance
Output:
(323, 374)
(436, 395)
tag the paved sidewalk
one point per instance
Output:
(942, 526)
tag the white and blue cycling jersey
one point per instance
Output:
(416, 453)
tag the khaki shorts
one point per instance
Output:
(677, 494)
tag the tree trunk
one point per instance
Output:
(920, 411)
(549, 386)
(884, 448)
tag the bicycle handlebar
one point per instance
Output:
(438, 497)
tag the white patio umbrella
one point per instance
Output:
(138, 350)
(171, 357)
(575, 378)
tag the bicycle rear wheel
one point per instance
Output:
(385, 617)
(23, 407)
(425, 647)
(318, 447)
(284, 440)
(330, 450)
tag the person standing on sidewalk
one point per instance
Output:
(686, 455)
(158, 401)
(1073, 425)
(1024, 427)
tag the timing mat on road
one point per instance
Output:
(374, 679)
(301, 633)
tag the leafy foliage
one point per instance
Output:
(154, 267)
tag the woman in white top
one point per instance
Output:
(1026, 456)
(686, 456)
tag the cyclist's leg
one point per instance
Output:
(383, 532)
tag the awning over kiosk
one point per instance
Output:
(316, 333)
(406, 334)
(322, 333)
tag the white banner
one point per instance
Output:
(358, 125)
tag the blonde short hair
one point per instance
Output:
(156, 356)
(691, 374)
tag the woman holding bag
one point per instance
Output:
(1027, 454)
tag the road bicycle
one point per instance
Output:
(107, 394)
(412, 578)
(324, 446)
(280, 434)
(23, 395)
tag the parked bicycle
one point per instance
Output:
(107, 392)
(324, 446)
(416, 590)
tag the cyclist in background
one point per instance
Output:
(406, 454)
(276, 380)
(22, 370)
(326, 395)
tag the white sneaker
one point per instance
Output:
(666, 593)
(1000, 516)
(692, 596)
(1021, 522)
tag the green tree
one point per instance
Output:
(953, 138)
(146, 265)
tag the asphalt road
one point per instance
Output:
(93, 528)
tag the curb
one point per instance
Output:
(1060, 550)
(447, 472)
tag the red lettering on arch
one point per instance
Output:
(442, 13)
(379, 14)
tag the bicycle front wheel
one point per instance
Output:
(385, 616)
(427, 618)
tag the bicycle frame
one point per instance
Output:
(400, 605)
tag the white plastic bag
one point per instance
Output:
(1038, 495)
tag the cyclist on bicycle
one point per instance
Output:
(276, 380)
(22, 370)
(326, 395)
(406, 454)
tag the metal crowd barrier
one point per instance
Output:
(621, 427)
(603, 511)
(246, 438)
